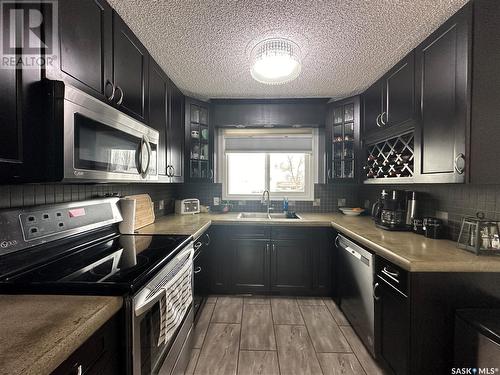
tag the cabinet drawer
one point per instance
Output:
(99, 352)
(290, 233)
(392, 274)
(246, 231)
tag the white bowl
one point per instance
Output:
(350, 212)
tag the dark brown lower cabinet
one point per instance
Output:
(277, 260)
(414, 323)
(291, 269)
(99, 355)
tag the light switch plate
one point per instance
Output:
(317, 202)
(216, 201)
(341, 202)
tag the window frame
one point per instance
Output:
(311, 174)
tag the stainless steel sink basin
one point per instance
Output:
(284, 216)
(265, 216)
(253, 215)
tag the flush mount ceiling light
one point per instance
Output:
(275, 61)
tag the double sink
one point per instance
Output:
(266, 216)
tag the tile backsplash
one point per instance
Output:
(456, 200)
(328, 195)
(37, 194)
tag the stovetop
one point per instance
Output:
(109, 264)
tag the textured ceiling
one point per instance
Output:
(204, 45)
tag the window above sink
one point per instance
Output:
(283, 161)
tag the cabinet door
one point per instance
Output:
(22, 154)
(85, 47)
(175, 136)
(442, 71)
(291, 266)
(372, 107)
(220, 255)
(322, 270)
(250, 265)
(343, 136)
(392, 329)
(199, 141)
(130, 69)
(399, 93)
(158, 111)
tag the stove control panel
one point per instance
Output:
(28, 227)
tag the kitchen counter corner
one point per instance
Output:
(39, 332)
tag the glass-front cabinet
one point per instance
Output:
(199, 141)
(342, 137)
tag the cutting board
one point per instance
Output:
(144, 213)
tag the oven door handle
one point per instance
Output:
(146, 305)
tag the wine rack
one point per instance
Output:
(391, 159)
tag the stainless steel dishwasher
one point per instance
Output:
(356, 288)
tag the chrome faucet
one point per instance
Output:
(266, 199)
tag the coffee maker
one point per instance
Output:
(389, 212)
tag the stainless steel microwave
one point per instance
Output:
(94, 142)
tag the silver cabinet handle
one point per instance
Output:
(208, 239)
(267, 248)
(197, 245)
(382, 118)
(375, 287)
(337, 239)
(329, 174)
(173, 171)
(211, 174)
(113, 88)
(120, 101)
(197, 270)
(378, 122)
(459, 170)
(390, 273)
(274, 248)
(170, 171)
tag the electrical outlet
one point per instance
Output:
(367, 204)
(161, 205)
(216, 201)
(341, 202)
(317, 202)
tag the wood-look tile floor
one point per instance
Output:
(276, 335)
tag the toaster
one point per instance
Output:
(187, 206)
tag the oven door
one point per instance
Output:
(103, 144)
(150, 356)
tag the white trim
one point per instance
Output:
(311, 174)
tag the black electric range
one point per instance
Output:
(99, 261)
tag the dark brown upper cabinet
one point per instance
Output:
(372, 108)
(100, 55)
(166, 114)
(276, 112)
(442, 71)
(343, 140)
(175, 135)
(130, 70)
(20, 127)
(85, 47)
(390, 102)
(158, 111)
(199, 141)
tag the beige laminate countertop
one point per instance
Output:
(39, 332)
(411, 251)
